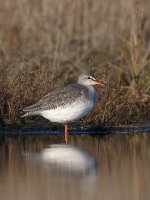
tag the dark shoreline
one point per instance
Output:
(33, 131)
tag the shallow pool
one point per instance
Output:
(115, 167)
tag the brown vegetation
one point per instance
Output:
(46, 44)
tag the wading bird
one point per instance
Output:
(67, 104)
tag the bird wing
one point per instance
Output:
(59, 98)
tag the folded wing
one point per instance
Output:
(58, 98)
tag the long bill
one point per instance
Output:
(96, 82)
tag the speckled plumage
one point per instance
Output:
(68, 103)
(59, 98)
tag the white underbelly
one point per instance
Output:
(68, 113)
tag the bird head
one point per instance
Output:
(89, 80)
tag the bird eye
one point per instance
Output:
(89, 77)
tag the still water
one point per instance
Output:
(115, 167)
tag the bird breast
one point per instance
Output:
(92, 94)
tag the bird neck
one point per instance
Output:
(92, 92)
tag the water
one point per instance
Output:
(115, 167)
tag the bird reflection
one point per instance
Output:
(66, 159)
(65, 163)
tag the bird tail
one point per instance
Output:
(30, 110)
(27, 114)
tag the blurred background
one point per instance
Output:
(72, 28)
(46, 44)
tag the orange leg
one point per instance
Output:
(66, 133)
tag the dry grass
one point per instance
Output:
(46, 44)
(42, 26)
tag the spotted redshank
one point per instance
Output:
(67, 104)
